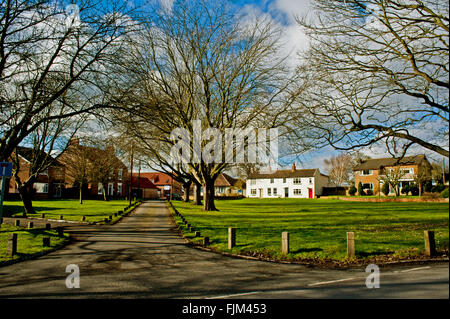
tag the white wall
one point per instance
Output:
(280, 186)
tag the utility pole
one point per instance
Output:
(443, 171)
(139, 179)
(131, 173)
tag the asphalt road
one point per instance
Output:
(143, 257)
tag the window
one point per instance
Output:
(407, 170)
(100, 188)
(253, 182)
(269, 192)
(297, 191)
(274, 192)
(119, 189)
(297, 180)
(120, 174)
(41, 188)
(220, 190)
(271, 181)
(366, 172)
(310, 180)
(367, 186)
(284, 180)
(253, 191)
(110, 189)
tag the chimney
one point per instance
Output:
(293, 167)
(268, 169)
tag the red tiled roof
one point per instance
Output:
(158, 179)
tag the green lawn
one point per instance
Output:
(29, 241)
(71, 209)
(318, 227)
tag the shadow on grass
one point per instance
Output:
(12, 210)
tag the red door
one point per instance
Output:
(310, 192)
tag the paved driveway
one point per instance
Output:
(143, 257)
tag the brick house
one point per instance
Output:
(144, 188)
(118, 181)
(164, 183)
(370, 172)
(49, 184)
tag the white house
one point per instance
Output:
(295, 183)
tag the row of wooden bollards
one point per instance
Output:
(13, 238)
(430, 245)
(206, 241)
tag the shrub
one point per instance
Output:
(369, 192)
(385, 189)
(360, 189)
(438, 188)
(406, 189)
(428, 187)
(444, 193)
(352, 190)
(414, 190)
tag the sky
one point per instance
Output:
(283, 13)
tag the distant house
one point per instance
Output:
(225, 185)
(370, 172)
(49, 184)
(164, 183)
(117, 184)
(296, 183)
(144, 188)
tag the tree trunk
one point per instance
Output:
(197, 194)
(81, 193)
(104, 192)
(208, 196)
(187, 189)
(25, 192)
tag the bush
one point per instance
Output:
(428, 187)
(369, 192)
(438, 188)
(444, 193)
(360, 189)
(385, 189)
(406, 189)
(414, 190)
(352, 190)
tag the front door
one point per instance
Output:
(286, 192)
(310, 192)
(260, 193)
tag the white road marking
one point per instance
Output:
(414, 269)
(331, 282)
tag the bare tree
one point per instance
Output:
(203, 63)
(339, 168)
(376, 71)
(51, 55)
(392, 176)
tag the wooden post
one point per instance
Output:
(205, 241)
(42, 215)
(285, 243)
(61, 217)
(231, 237)
(430, 245)
(46, 241)
(197, 234)
(350, 244)
(48, 226)
(17, 222)
(83, 218)
(30, 225)
(12, 244)
(60, 231)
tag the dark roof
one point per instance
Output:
(142, 182)
(224, 180)
(27, 153)
(286, 173)
(377, 163)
